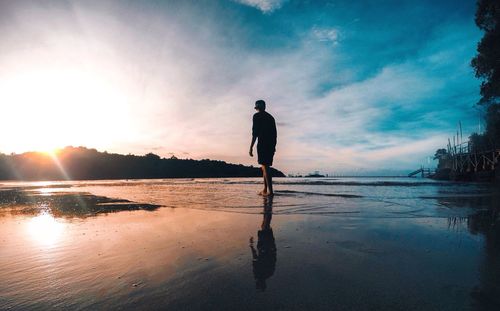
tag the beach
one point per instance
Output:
(214, 244)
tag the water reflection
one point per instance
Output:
(264, 257)
(484, 221)
(487, 223)
(45, 230)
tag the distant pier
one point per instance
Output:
(424, 172)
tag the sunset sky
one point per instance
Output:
(354, 85)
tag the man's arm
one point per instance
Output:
(251, 146)
(275, 134)
(255, 131)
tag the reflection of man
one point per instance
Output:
(264, 257)
(264, 130)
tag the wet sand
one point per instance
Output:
(216, 245)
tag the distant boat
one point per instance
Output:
(315, 175)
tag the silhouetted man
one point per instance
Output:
(264, 131)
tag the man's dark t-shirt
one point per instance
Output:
(264, 129)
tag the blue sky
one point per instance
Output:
(355, 86)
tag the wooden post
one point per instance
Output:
(461, 137)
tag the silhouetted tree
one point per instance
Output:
(82, 163)
(479, 143)
(487, 65)
(440, 153)
(151, 156)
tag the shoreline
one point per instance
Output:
(214, 245)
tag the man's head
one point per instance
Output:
(260, 105)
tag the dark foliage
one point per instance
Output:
(479, 143)
(487, 61)
(440, 153)
(82, 163)
(487, 67)
(493, 124)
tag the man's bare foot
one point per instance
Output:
(268, 194)
(263, 193)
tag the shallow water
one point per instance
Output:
(198, 244)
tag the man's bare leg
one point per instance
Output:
(264, 192)
(267, 180)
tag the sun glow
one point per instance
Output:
(53, 108)
(45, 230)
(50, 152)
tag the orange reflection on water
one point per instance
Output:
(45, 230)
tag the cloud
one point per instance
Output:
(373, 100)
(266, 6)
(326, 34)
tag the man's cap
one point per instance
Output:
(260, 104)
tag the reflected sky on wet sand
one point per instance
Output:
(343, 244)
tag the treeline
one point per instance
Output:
(487, 68)
(79, 163)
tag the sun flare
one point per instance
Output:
(54, 108)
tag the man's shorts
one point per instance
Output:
(265, 156)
